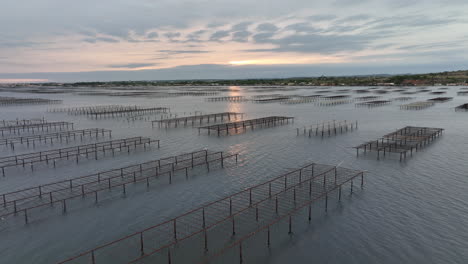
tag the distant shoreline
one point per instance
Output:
(453, 78)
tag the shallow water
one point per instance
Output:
(414, 211)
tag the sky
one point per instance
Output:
(100, 40)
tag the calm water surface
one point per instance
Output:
(414, 211)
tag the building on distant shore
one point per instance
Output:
(415, 82)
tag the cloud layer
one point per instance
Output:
(53, 35)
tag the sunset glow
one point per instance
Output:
(245, 62)
(162, 37)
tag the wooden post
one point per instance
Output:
(326, 202)
(339, 194)
(233, 227)
(26, 216)
(142, 248)
(175, 230)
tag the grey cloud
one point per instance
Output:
(160, 58)
(453, 54)
(241, 26)
(301, 27)
(403, 3)
(134, 21)
(218, 35)
(195, 36)
(241, 36)
(117, 19)
(408, 22)
(199, 32)
(350, 2)
(121, 33)
(316, 43)
(107, 34)
(341, 29)
(90, 40)
(143, 40)
(322, 17)
(354, 18)
(23, 44)
(194, 46)
(383, 46)
(132, 65)
(152, 35)
(105, 39)
(101, 39)
(215, 24)
(445, 44)
(267, 27)
(87, 33)
(172, 35)
(263, 37)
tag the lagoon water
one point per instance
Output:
(415, 211)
